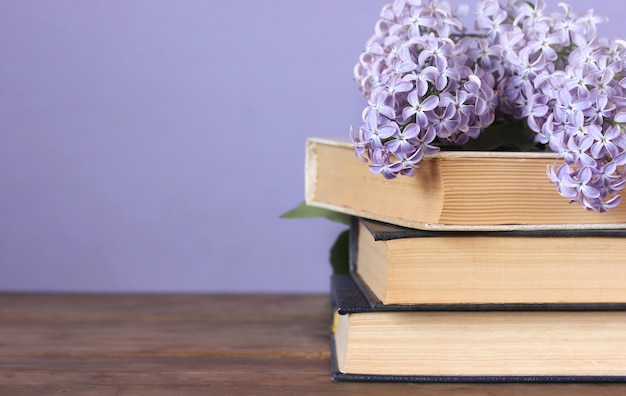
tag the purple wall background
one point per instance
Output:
(150, 145)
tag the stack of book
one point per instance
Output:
(472, 270)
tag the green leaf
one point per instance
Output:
(508, 136)
(340, 254)
(306, 211)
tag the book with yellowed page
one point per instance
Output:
(451, 190)
(472, 345)
(545, 268)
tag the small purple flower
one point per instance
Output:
(554, 135)
(375, 131)
(381, 163)
(423, 138)
(462, 105)
(487, 56)
(396, 86)
(568, 25)
(410, 161)
(419, 108)
(579, 79)
(569, 107)
(578, 152)
(600, 110)
(380, 104)
(535, 109)
(604, 142)
(444, 121)
(359, 144)
(417, 21)
(436, 51)
(403, 143)
(543, 43)
(591, 20)
(491, 19)
(529, 16)
(579, 184)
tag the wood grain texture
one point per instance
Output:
(83, 344)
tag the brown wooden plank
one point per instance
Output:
(190, 344)
(200, 376)
(162, 307)
(164, 325)
(162, 339)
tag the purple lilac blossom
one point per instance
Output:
(429, 82)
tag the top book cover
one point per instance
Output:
(452, 190)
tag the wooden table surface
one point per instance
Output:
(89, 344)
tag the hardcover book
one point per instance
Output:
(451, 190)
(543, 267)
(472, 346)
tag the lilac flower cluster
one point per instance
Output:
(429, 82)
